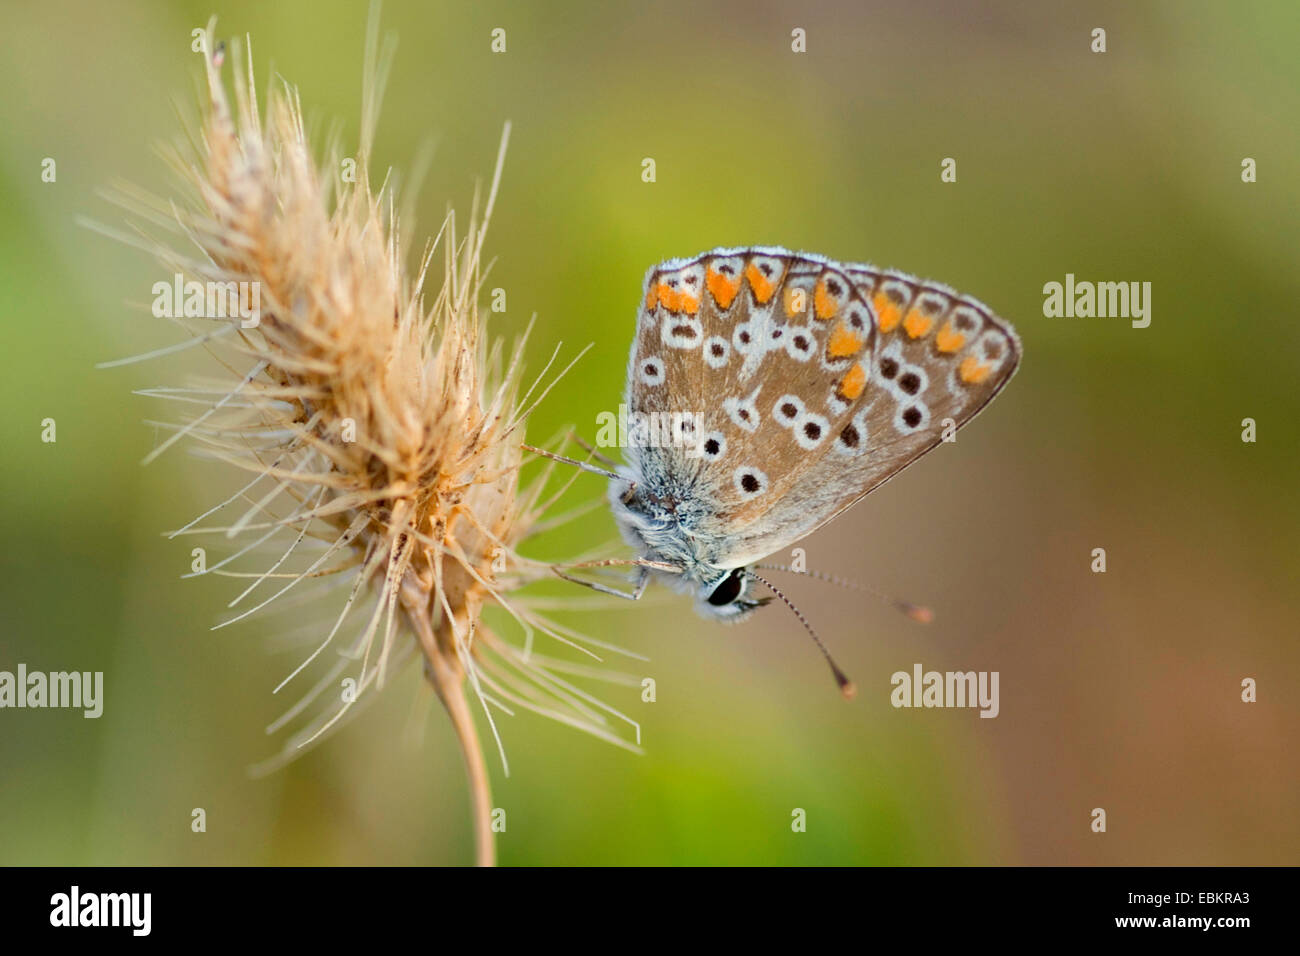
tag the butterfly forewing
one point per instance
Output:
(808, 383)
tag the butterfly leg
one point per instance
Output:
(642, 576)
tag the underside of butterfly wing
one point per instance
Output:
(802, 384)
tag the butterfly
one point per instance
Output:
(796, 385)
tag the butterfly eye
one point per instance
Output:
(729, 589)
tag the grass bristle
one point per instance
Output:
(379, 427)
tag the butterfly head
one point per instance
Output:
(662, 528)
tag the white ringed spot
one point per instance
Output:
(650, 371)
(681, 333)
(787, 409)
(717, 351)
(743, 412)
(750, 481)
(811, 430)
(714, 446)
(800, 343)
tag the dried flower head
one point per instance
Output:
(382, 435)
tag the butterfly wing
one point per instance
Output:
(809, 383)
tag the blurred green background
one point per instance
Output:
(1118, 690)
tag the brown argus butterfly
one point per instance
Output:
(796, 385)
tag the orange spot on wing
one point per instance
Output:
(763, 286)
(949, 339)
(722, 288)
(825, 305)
(796, 300)
(853, 382)
(678, 301)
(917, 324)
(972, 372)
(887, 313)
(843, 343)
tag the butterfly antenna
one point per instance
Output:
(917, 612)
(585, 466)
(847, 687)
